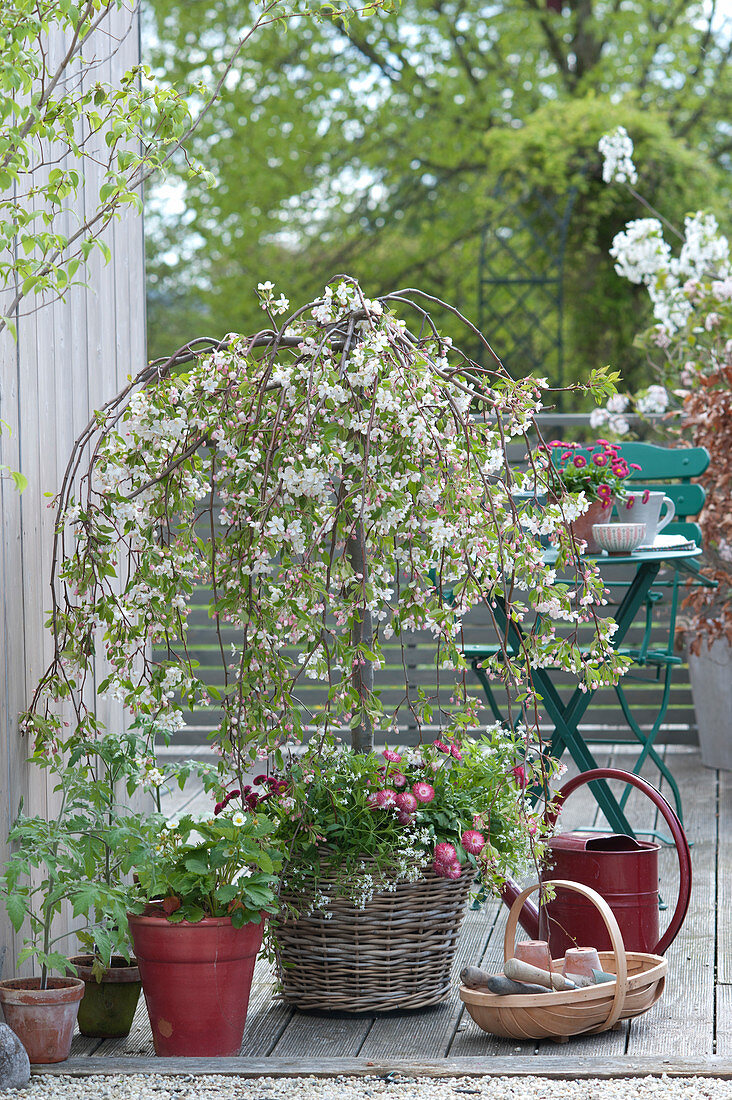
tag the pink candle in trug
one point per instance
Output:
(535, 952)
(581, 960)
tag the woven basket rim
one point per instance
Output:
(590, 994)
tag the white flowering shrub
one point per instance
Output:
(690, 347)
(335, 482)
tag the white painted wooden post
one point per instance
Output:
(70, 357)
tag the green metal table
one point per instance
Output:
(566, 717)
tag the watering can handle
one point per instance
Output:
(677, 832)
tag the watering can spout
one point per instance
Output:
(529, 915)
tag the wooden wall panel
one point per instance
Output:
(70, 358)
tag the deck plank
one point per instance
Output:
(83, 1047)
(267, 1017)
(681, 1024)
(724, 866)
(310, 1036)
(724, 1021)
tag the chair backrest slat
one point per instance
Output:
(665, 463)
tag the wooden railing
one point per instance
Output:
(604, 717)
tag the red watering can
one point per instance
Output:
(623, 870)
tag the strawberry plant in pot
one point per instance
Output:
(336, 482)
(203, 891)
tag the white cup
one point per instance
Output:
(645, 507)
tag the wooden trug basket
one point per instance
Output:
(639, 983)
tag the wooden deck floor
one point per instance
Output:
(689, 1030)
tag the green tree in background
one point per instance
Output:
(375, 148)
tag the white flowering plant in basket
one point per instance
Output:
(336, 482)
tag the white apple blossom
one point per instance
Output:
(617, 152)
(256, 476)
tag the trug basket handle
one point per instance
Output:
(621, 959)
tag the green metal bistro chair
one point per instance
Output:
(668, 470)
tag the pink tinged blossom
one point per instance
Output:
(405, 800)
(398, 779)
(579, 461)
(387, 797)
(519, 774)
(454, 871)
(394, 757)
(423, 792)
(445, 853)
(472, 841)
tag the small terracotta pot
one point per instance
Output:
(196, 979)
(534, 952)
(582, 526)
(581, 960)
(108, 1007)
(43, 1019)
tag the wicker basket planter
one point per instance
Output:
(397, 953)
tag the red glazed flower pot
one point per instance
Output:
(196, 979)
(43, 1019)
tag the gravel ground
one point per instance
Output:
(159, 1087)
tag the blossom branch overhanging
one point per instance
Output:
(335, 482)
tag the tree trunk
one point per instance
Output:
(362, 675)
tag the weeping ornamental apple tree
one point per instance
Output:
(335, 481)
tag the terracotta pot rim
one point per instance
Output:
(208, 922)
(114, 975)
(26, 991)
